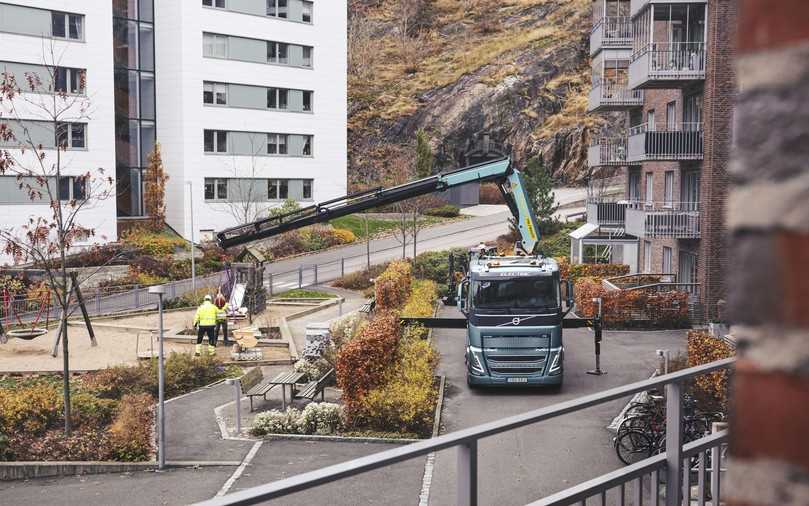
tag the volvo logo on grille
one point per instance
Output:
(516, 320)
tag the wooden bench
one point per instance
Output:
(368, 306)
(313, 388)
(253, 385)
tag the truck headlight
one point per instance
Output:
(556, 363)
(476, 360)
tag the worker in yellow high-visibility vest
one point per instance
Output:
(205, 321)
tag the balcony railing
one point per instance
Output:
(605, 212)
(611, 32)
(607, 151)
(671, 470)
(675, 220)
(679, 142)
(660, 63)
(608, 95)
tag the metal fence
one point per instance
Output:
(610, 31)
(615, 93)
(683, 141)
(605, 212)
(677, 220)
(665, 467)
(607, 151)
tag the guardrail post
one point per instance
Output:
(300, 277)
(674, 444)
(468, 474)
(342, 267)
(315, 267)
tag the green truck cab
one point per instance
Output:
(513, 306)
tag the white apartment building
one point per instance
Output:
(77, 36)
(247, 99)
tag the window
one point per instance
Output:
(214, 3)
(215, 93)
(647, 256)
(307, 189)
(277, 8)
(283, 51)
(649, 188)
(215, 46)
(72, 188)
(276, 144)
(668, 188)
(307, 101)
(307, 145)
(283, 189)
(277, 52)
(306, 12)
(216, 189)
(666, 260)
(71, 135)
(67, 26)
(277, 189)
(634, 186)
(671, 116)
(216, 141)
(70, 81)
(650, 121)
(307, 56)
(277, 98)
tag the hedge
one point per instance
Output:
(703, 348)
(393, 285)
(600, 271)
(624, 308)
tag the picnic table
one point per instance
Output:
(287, 378)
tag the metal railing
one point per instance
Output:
(611, 31)
(665, 466)
(606, 212)
(607, 151)
(676, 220)
(667, 61)
(611, 93)
(683, 141)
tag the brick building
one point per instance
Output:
(669, 67)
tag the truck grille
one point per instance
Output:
(516, 364)
(515, 342)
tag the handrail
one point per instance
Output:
(464, 438)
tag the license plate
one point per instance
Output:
(517, 380)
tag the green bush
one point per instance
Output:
(446, 211)
(92, 411)
(277, 422)
(434, 265)
(154, 243)
(312, 369)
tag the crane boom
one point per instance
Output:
(508, 179)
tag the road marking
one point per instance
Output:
(239, 470)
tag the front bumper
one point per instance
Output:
(497, 381)
(476, 376)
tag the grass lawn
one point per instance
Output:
(302, 293)
(376, 226)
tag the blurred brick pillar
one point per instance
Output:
(769, 280)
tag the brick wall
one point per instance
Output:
(720, 94)
(768, 288)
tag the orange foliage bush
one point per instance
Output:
(393, 285)
(703, 348)
(574, 272)
(362, 362)
(622, 308)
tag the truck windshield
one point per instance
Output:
(537, 293)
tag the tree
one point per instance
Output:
(40, 170)
(155, 190)
(247, 194)
(424, 168)
(539, 186)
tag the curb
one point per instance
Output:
(13, 471)
(429, 463)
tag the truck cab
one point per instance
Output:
(513, 306)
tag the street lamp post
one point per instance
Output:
(191, 213)
(160, 290)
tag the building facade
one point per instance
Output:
(669, 67)
(247, 99)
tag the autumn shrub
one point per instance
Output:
(30, 409)
(117, 381)
(406, 398)
(445, 211)
(92, 411)
(393, 285)
(596, 271)
(490, 194)
(703, 348)
(153, 243)
(345, 329)
(623, 308)
(434, 265)
(83, 443)
(130, 434)
(362, 362)
(360, 280)
(422, 299)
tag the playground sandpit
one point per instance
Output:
(119, 340)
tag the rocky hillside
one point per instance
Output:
(514, 70)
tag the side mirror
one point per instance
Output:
(571, 298)
(462, 290)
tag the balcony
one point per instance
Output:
(657, 220)
(667, 65)
(611, 32)
(677, 142)
(607, 151)
(605, 212)
(635, 6)
(609, 95)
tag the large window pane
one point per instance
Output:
(78, 138)
(147, 88)
(283, 189)
(127, 99)
(125, 8)
(58, 28)
(75, 27)
(147, 10)
(148, 139)
(221, 142)
(208, 141)
(146, 47)
(125, 35)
